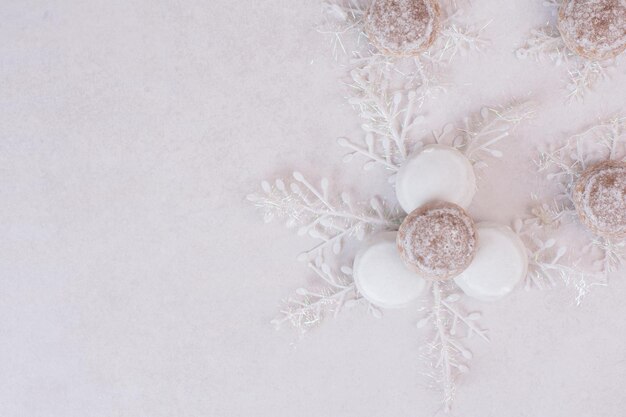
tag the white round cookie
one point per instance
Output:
(499, 265)
(437, 172)
(381, 276)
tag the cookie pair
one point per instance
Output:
(594, 29)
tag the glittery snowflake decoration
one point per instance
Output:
(331, 220)
(549, 264)
(379, 82)
(340, 226)
(546, 44)
(388, 94)
(343, 23)
(390, 122)
(445, 354)
(563, 163)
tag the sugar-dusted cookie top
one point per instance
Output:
(594, 29)
(600, 198)
(437, 240)
(402, 27)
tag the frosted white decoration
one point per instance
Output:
(499, 265)
(437, 172)
(381, 277)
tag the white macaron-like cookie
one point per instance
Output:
(499, 265)
(382, 277)
(437, 172)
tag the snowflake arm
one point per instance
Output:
(613, 256)
(583, 76)
(329, 220)
(343, 24)
(565, 163)
(388, 120)
(307, 308)
(545, 42)
(457, 38)
(445, 354)
(482, 132)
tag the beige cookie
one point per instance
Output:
(594, 29)
(437, 240)
(600, 198)
(402, 27)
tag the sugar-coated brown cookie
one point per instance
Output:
(600, 198)
(402, 27)
(437, 240)
(594, 29)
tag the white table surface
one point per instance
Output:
(136, 281)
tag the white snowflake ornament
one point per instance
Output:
(378, 277)
(590, 171)
(585, 37)
(388, 75)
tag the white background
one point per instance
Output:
(136, 281)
